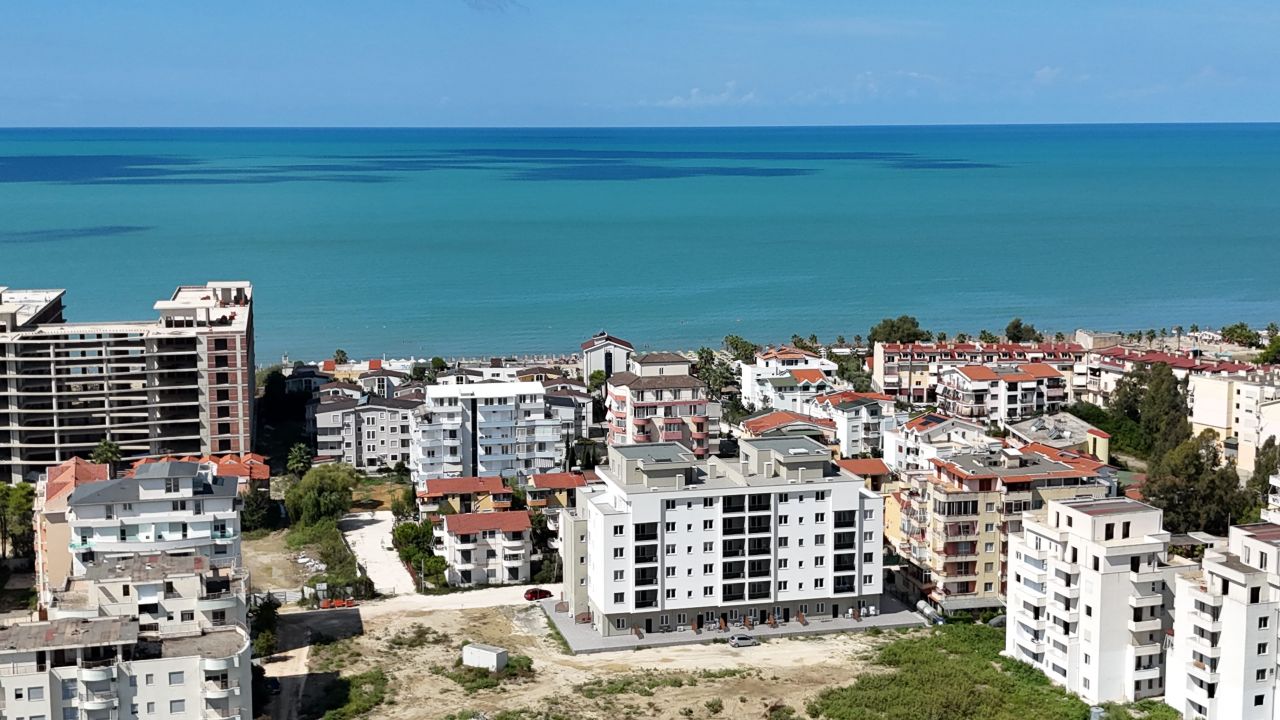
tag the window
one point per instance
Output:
(618, 531)
(1088, 611)
(782, 519)
(708, 547)
(619, 552)
(868, 579)
(1095, 565)
(868, 514)
(989, 527)
(1255, 595)
(1258, 700)
(819, 517)
(671, 549)
(708, 568)
(989, 547)
(619, 597)
(708, 502)
(619, 575)
(782, 563)
(669, 504)
(1260, 675)
(1109, 532)
(177, 707)
(35, 693)
(986, 587)
(818, 584)
(671, 594)
(784, 497)
(708, 524)
(708, 590)
(1263, 622)
(151, 679)
(820, 495)
(175, 678)
(671, 572)
(188, 615)
(782, 542)
(819, 561)
(782, 584)
(669, 527)
(1086, 658)
(1262, 648)
(171, 485)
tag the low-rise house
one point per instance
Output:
(464, 495)
(305, 379)
(914, 445)
(861, 419)
(368, 433)
(247, 469)
(873, 471)
(491, 548)
(788, 423)
(552, 494)
(1063, 431)
(785, 378)
(340, 389)
(381, 382)
(605, 353)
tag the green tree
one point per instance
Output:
(1017, 331)
(340, 356)
(1163, 412)
(438, 365)
(106, 453)
(256, 513)
(596, 381)
(1177, 335)
(986, 336)
(19, 501)
(1196, 494)
(962, 337)
(1194, 328)
(264, 644)
(324, 493)
(740, 348)
(804, 344)
(1265, 464)
(1059, 337)
(299, 460)
(713, 371)
(405, 504)
(940, 337)
(902, 329)
(857, 341)
(1241, 334)
(1151, 337)
(418, 372)
(1270, 355)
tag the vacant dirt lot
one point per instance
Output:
(652, 683)
(271, 565)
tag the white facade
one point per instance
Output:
(605, 353)
(171, 507)
(669, 541)
(490, 548)
(913, 445)
(786, 378)
(368, 433)
(1000, 394)
(862, 420)
(1244, 410)
(657, 400)
(485, 429)
(1223, 653)
(1090, 597)
(910, 371)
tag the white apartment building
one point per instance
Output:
(910, 371)
(913, 445)
(1108, 366)
(179, 508)
(861, 419)
(667, 541)
(657, 400)
(786, 378)
(382, 381)
(182, 384)
(487, 548)
(606, 353)
(1001, 394)
(104, 668)
(1223, 653)
(369, 433)
(1090, 597)
(1243, 409)
(485, 428)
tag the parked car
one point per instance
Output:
(536, 594)
(741, 640)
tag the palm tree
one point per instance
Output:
(340, 356)
(857, 341)
(1195, 329)
(1059, 337)
(1151, 337)
(1177, 333)
(106, 453)
(299, 460)
(942, 337)
(962, 337)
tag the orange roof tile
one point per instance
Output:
(865, 467)
(72, 474)
(785, 352)
(470, 523)
(464, 486)
(557, 481)
(1039, 370)
(850, 395)
(778, 418)
(978, 372)
(809, 375)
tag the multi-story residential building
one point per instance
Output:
(1243, 409)
(491, 548)
(490, 428)
(952, 525)
(786, 378)
(1063, 431)
(861, 419)
(382, 382)
(915, 444)
(172, 507)
(181, 384)
(304, 379)
(370, 433)
(52, 533)
(572, 410)
(1001, 394)
(669, 541)
(247, 469)
(1222, 654)
(1090, 597)
(1108, 366)
(605, 353)
(464, 495)
(1271, 513)
(657, 400)
(106, 668)
(788, 423)
(910, 371)
(551, 494)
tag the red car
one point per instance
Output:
(536, 594)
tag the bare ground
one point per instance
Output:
(749, 680)
(271, 565)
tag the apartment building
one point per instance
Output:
(910, 371)
(552, 494)
(670, 541)
(382, 382)
(786, 378)
(915, 444)
(372, 432)
(1000, 394)
(247, 469)
(952, 524)
(657, 400)
(1243, 409)
(488, 548)
(489, 428)
(1063, 431)
(464, 495)
(788, 423)
(181, 384)
(1223, 652)
(861, 419)
(106, 668)
(171, 507)
(572, 410)
(52, 533)
(605, 353)
(1090, 597)
(1108, 366)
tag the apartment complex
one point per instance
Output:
(1108, 366)
(1001, 394)
(368, 433)
(1223, 652)
(657, 400)
(668, 540)
(605, 353)
(914, 445)
(861, 419)
(52, 533)
(487, 548)
(464, 495)
(483, 429)
(181, 384)
(1243, 409)
(1090, 597)
(786, 378)
(910, 371)
(952, 525)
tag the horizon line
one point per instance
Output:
(645, 127)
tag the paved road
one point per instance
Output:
(369, 534)
(289, 667)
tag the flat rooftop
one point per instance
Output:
(992, 463)
(790, 446)
(216, 644)
(1264, 531)
(1060, 431)
(147, 568)
(1107, 506)
(26, 304)
(68, 633)
(671, 452)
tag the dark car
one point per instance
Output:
(536, 594)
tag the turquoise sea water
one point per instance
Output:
(481, 241)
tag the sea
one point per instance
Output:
(476, 242)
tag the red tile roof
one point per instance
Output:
(328, 365)
(785, 352)
(926, 421)
(1099, 433)
(1039, 370)
(809, 375)
(375, 364)
(601, 339)
(250, 466)
(1077, 460)
(471, 523)
(778, 418)
(464, 486)
(851, 395)
(557, 481)
(72, 474)
(978, 372)
(865, 467)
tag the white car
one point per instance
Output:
(741, 640)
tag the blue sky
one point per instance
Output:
(635, 62)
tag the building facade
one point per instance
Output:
(669, 541)
(1001, 394)
(915, 444)
(786, 378)
(910, 371)
(862, 420)
(369, 433)
(179, 385)
(488, 548)
(605, 353)
(1243, 409)
(657, 400)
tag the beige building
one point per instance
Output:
(1243, 409)
(52, 533)
(910, 371)
(657, 400)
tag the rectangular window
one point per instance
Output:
(708, 568)
(708, 524)
(618, 531)
(671, 549)
(708, 547)
(1262, 648)
(708, 590)
(177, 707)
(1263, 622)
(175, 678)
(819, 517)
(671, 571)
(619, 597)
(619, 552)
(670, 527)
(618, 575)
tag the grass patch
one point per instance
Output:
(356, 695)
(416, 636)
(473, 679)
(332, 656)
(556, 637)
(643, 684)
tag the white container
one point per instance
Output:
(488, 657)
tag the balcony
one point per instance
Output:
(97, 670)
(1204, 646)
(1146, 576)
(643, 437)
(1204, 672)
(671, 435)
(1144, 626)
(1147, 673)
(216, 689)
(98, 700)
(1209, 622)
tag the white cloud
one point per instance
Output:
(1046, 75)
(697, 97)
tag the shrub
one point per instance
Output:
(264, 644)
(714, 706)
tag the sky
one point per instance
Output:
(635, 62)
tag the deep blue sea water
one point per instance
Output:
(471, 242)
